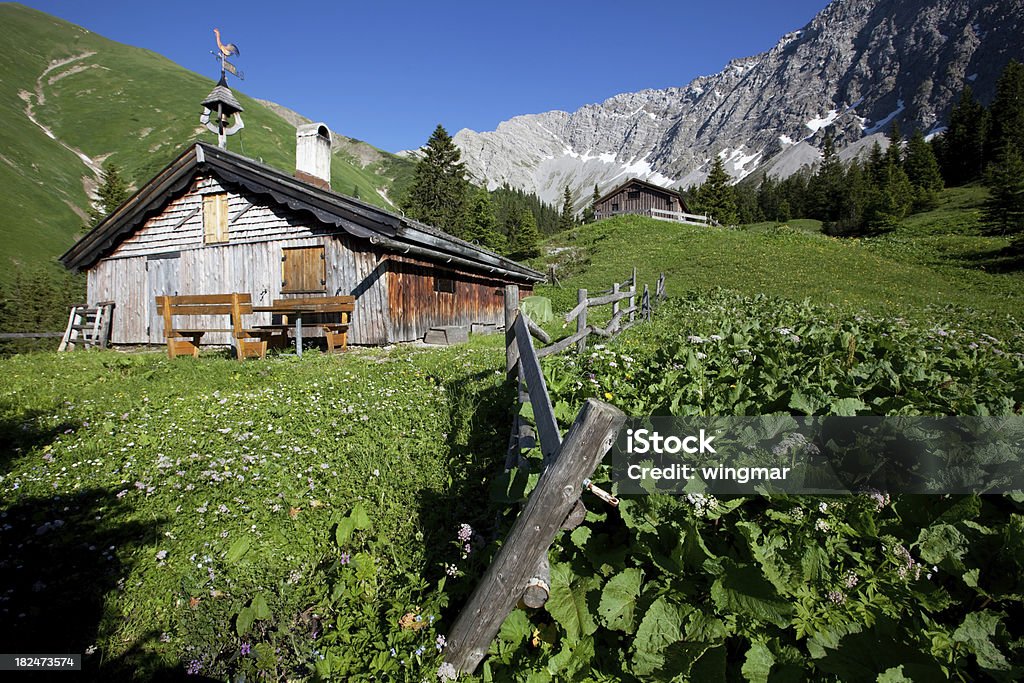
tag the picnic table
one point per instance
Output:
(292, 311)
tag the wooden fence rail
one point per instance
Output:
(520, 570)
(31, 335)
(682, 217)
(615, 296)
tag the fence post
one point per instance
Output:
(615, 304)
(632, 299)
(557, 492)
(581, 320)
(511, 352)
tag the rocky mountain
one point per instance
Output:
(856, 67)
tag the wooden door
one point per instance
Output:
(162, 276)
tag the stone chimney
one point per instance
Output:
(313, 154)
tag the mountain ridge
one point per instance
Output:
(854, 68)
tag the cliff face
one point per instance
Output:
(856, 67)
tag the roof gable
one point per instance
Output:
(350, 215)
(638, 184)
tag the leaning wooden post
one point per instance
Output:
(589, 438)
(632, 299)
(581, 319)
(615, 305)
(645, 304)
(511, 352)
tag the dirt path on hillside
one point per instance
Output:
(39, 97)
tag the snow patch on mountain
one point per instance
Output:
(889, 58)
(900, 106)
(817, 124)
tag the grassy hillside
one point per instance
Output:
(105, 100)
(939, 258)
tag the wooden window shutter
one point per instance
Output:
(303, 269)
(215, 218)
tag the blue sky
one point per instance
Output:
(389, 72)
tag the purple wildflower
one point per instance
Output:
(345, 558)
(245, 649)
(193, 667)
(465, 533)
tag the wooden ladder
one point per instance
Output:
(88, 326)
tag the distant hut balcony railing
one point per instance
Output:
(673, 216)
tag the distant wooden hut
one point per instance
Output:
(636, 196)
(217, 222)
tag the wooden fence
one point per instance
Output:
(681, 217)
(622, 318)
(519, 572)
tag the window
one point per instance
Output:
(303, 270)
(668, 202)
(444, 284)
(615, 206)
(215, 218)
(633, 194)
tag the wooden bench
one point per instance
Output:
(182, 342)
(336, 332)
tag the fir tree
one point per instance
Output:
(793, 196)
(523, 236)
(1004, 209)
(716, 197)
(482, 226)
(588, 214)
(851, 203)
(508, 202)
(747, 208)
(923, 172)
(894, 152)
(890, 196)
(768, 199)
(440, 190)
(876, 165)
(964, 141)
(1007, 112)
(594, 199)
(566, 220)
(112, 191)
(827, 184)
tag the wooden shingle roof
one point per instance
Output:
(357, 218)
(640, 184)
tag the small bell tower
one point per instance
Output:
(222, 112)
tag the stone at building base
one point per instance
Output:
(483, 328)
(447, 335)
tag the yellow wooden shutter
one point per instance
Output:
(215, 218)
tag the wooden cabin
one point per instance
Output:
(638, 197)
(215, 222)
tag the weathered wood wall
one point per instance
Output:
(395, 296)
(418, 305)
(646, 200)
(168, 256)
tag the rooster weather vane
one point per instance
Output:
(220, 105)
